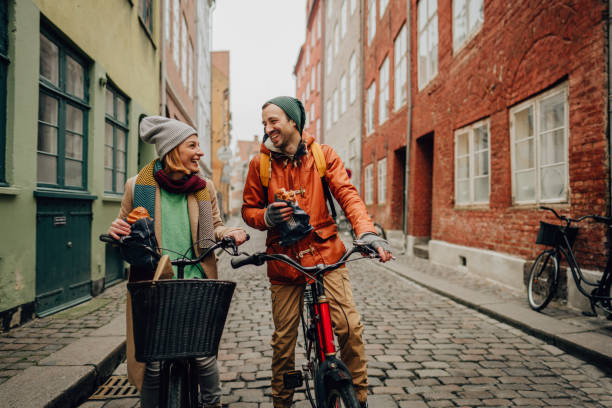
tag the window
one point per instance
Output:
(328, 60)
(176, 27)
(353, 154)
(328, 114)
(372, 19)
(472, 167)
(184, 51)
(383, 7)
(4, 61)
(428, 41)
(329, 6)
(336, 105)
(115, 141)
(319, 25)
(353, 6)
(307, 92)
(343, 19)
(468, 16)
(318, 129)
(313, 80)
(383, 97)
(381, 174)
(343, 93)
(370, 108)
(190, 69)
(312, 112)
(540, 134)
(145, 12)
(367, 181)
(62, 116)
(401, 68)
(353, 77)
(336, 39)
(319, 76)
(166, 20)
(307, 54)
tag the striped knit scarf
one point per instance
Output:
(144, 195)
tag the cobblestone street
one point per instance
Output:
(424, 350)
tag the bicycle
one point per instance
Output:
(332, 381)
(179, 320)
(544, 273)
(344, 225)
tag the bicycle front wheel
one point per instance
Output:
(342, 396)
(542, 280)
(177, 387)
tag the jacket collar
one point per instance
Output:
(267, 146)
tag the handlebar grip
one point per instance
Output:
(246, 260)
(108, 239)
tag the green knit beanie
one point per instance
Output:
(293, 108)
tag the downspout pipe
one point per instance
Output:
(409, 127)
(162, 50)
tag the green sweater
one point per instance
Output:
(176, 231)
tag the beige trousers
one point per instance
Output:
(286, 303)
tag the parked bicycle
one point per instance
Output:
(179, 320)
(344, 225)
(331, 379)
(544, 274)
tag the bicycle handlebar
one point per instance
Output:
(568, 220)
(259, 258)
(226, 242)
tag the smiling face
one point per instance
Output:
(189, 153)
(281, 130)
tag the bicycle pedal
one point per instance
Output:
(293, 379)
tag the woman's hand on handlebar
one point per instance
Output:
(119, 227)
(239, 235)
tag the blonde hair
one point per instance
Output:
(172, 163)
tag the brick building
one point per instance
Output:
(221, 126)
(307, 70)
(342, 78)
(246, 150)
(509, 112)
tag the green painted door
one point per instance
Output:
(63, 238)
(114, 266)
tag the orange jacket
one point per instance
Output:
(322, 245)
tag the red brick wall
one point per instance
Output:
(523, 48)
(391, 135)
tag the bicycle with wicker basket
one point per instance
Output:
(179, 320)
(544, 273)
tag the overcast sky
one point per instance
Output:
(264, 38)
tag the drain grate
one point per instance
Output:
(117, 386)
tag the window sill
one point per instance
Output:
(59, 193)
(147, 32)
(10, 191)
(110, 198)
(472, 207)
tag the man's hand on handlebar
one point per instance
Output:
(119, 227)
(239, 235)
(378, 244)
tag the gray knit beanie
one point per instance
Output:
(164, 133)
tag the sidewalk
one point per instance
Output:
(59, 360)
(589, 338)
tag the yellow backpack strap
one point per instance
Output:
(265, 169)
(319, 159)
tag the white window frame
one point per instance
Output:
(371, 20)
(400, 71)
(336, 105)
(471, 155)
(328, 114)
(461, 11)
(176, 32)
(383, 92)
(336, 39)
(319, 24)
(184, 50)
(427, 26)
(166, 20)
(535, 104)
(312, 112)
(307, 92)
(371, 95)
(343, 19)
(353, 76)
(318, 128)
(329, 60)
(319, 76)
(353, 6)
(368, 179)
(307, 54)
(381, 176)
(383, 7)
(343, 95)
(313, 79)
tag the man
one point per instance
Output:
(293, 168)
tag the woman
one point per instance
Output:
(184, 208)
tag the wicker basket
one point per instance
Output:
(179, 318)
(552, 235)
